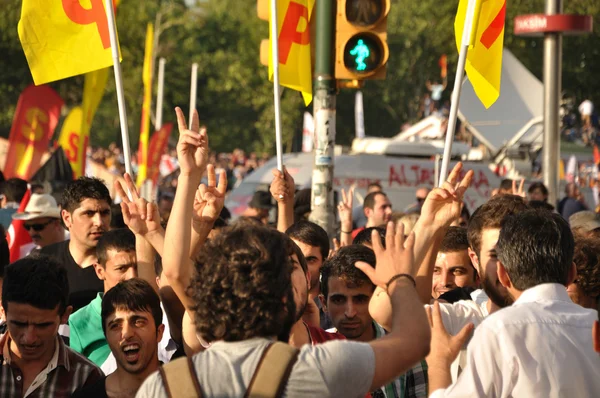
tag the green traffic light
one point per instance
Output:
(363, 53)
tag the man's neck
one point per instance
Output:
(124, 384)
(299, 335)
(84, 257)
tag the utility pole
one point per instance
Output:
(324, 114)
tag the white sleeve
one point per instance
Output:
(486, 373)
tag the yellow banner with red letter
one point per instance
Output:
(145, 122)
(484, 59)
(64, 38)
(34, 122)
(75, 133)
(293, 22)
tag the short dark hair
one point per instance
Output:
(38, 281)
(506, 184)
(587, 259)
(538, 185)
(369, 202)
(13, 189)
(121, 240)
(134, 295)
(490, 215)
(242, 284)
(223, 219)
(311, 234)
(84, 188)
(364, 237)
(342, 265)
(455, 240)
(116, 217)
(536, 246)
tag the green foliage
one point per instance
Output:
(235, 98)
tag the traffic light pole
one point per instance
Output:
(323, 209)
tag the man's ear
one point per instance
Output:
(474, 260)
(503, 275)
(66, 217)
(572, 276)
(323, 302)
(64, 319)
(308, 279)
(99, 271)
(367, 212)
(159, 333)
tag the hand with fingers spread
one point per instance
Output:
(210, 199)
(519, 191)
(345, 210)
(283, 187)
(444, 347)
(443, 205)
(139, 215)
(395, 259)
(192, 147)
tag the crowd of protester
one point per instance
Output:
(173, 299)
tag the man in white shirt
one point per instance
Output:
(586, 109)
(538, 347)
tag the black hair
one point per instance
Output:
(84, 188)
(223, 219)
(342, 265)
(455, 240)
(134, 295)
(116, 217)
(38, 281)
(311, 234)
(369, 202)
(538, 185)
(536, 247)
(364, 237)
(158, 268)
(120, 240)
(13, 189)
(506, 184)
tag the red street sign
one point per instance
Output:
(538, 24)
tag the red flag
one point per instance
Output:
(36, 117)
(596, 155)
(17, 235)
(157, 147)
(443, 62)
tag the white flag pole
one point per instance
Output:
(359, 116)
(193, 90)
(112, 30)
(276, 88)
(159, 93)
(458, 80)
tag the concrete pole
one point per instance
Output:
(552, 94)
(323, 209)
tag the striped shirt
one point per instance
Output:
(66, 372)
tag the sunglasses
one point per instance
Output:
(37, 227)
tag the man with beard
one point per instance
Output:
(132, 324)
(86, 214)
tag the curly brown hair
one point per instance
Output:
(242, 285)
(587, 260)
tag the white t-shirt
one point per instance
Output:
(333, 369)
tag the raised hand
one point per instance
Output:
(345, 209)
(519, 191)
(192, 147)
(396, 258)
(283, 187)
(139, 215)
(210, 199)
(444, 347)
(443, 205)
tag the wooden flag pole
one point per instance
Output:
(112, 30)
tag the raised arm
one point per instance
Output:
(283, 190)
(345, 211)
(409, 338)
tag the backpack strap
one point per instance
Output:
(179, 378)
(273, 371)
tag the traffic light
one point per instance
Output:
(361, 39)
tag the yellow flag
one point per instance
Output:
(145, 122)
(71, 140)
(64, 38)
(293, 19)
(484, 58)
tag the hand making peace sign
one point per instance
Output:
(192, 148)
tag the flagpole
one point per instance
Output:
(276, 88)
(193, 89)
(159, 93)
(458, 80)
(112, 30)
